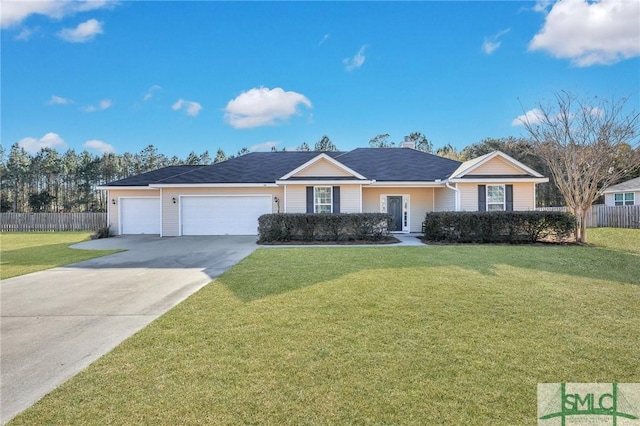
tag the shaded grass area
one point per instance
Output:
(376, 335)
(25, 252)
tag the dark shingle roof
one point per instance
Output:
(154, 176)
(380, 164)
(256, 167)
(398, 164)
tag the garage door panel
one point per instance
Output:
(140, 215)
(223, 215)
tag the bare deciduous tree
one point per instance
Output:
(581, 141)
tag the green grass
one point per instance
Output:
(390, 335)
(25, 252)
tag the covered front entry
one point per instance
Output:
(394, 209)
(398, 207)
(223, 214)
(140, 215)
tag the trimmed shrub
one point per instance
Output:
(279, 227)
(499, 227)
(104, 232)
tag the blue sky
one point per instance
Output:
(111, 76)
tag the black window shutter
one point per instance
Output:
(309, 199)
(336, 199)
(508, 193)
(482, 198)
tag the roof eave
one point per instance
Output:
(325, 182)
(215, 185)
(618, 190)
(415, 184)
(137, 187)
(500, 180)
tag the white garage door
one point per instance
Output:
(222, 215)
(140, 215)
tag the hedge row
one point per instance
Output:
(323, 227)
(499, 227)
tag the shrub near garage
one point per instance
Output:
(281, 227)
(499, 227)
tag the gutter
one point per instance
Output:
(457, 195)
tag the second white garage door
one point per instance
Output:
(140, 215)
(223, 215)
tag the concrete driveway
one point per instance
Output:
(57, 322)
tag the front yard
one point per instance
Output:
(25, 252)
(377, 335)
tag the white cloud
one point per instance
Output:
(190, 107)
(590, 33)
(99, 146)
(26, 33)
(59, 100)
(263, 147)
(596, 112)
(541, 5)
(104, 104)
(492, 43)
(324, 38)
(151, 92)
(14, 12)
(533, 116)
(34, 145)
(263, 107)
(356, 61)
(84, 32)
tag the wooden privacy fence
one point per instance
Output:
(30, 222)
(601, 216)
(618, 216)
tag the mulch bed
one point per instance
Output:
(388, 240)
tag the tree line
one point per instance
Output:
(50, 181)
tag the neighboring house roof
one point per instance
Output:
(364, 164)
(629, 185)
(145, 179)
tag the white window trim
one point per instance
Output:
(504, 198)
(624, 199)
(315, 202)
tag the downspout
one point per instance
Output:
(456, 196)
(285, 199)
(161, 211)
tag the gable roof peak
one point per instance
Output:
(474, 163)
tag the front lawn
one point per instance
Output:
(376, 335)
(25, 252)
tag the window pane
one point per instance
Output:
(323, 199)
(628, 196)
(495, 207)
(617, 197)
(495, 194)
(323, 195)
